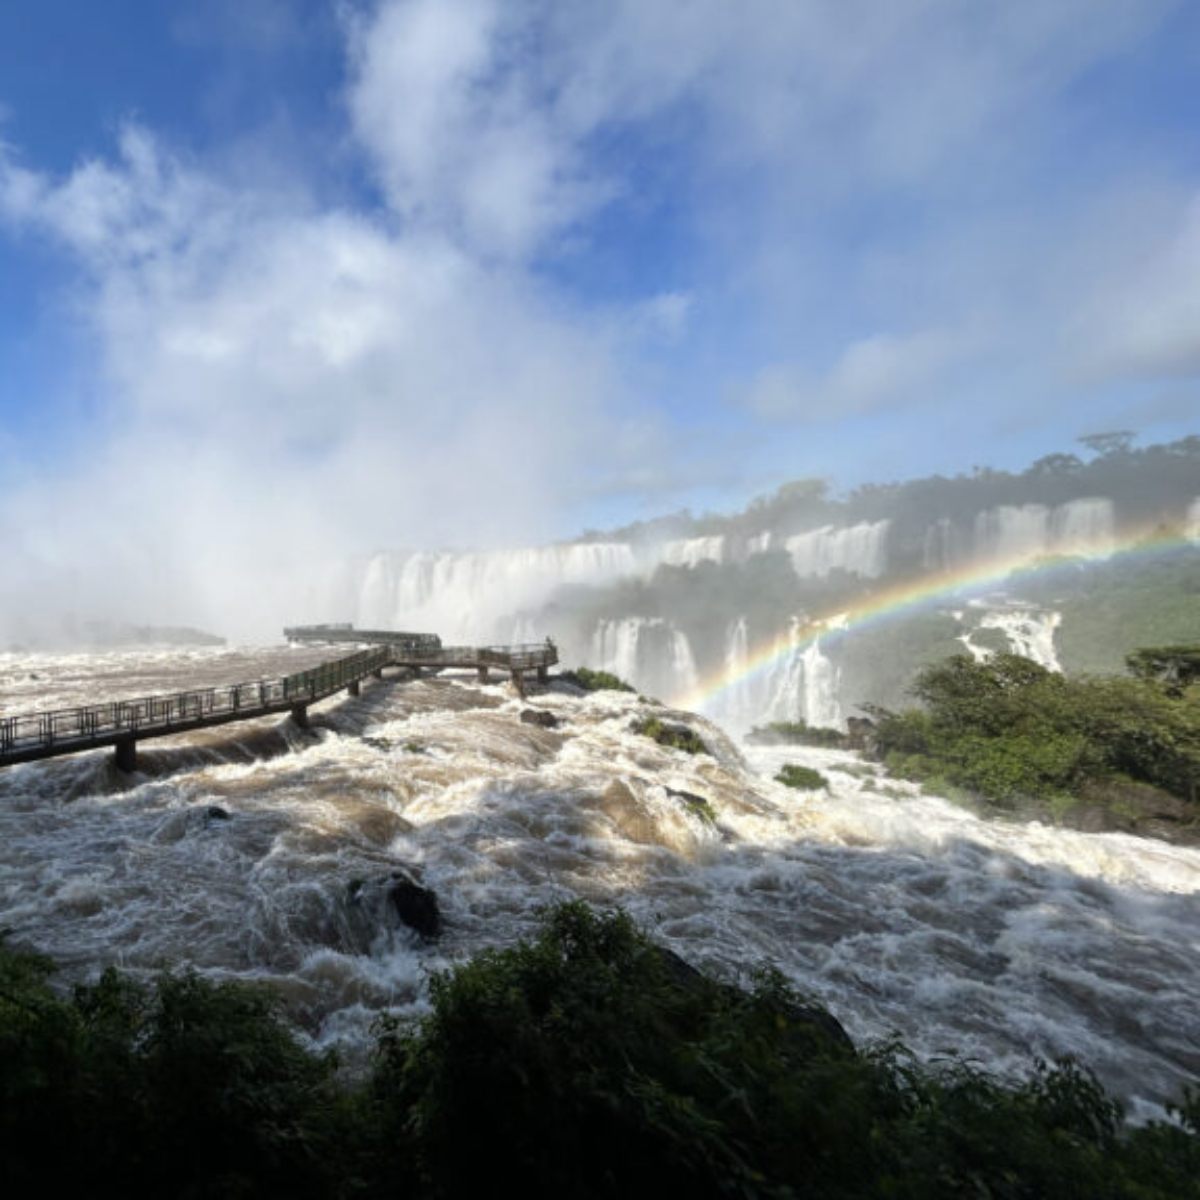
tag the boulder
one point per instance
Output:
(539, 716)
(397, 896)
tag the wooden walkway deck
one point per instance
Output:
(27, 737)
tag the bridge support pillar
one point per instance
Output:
(126, 755)
(541, 674)
(300, 715)
(518, 679)
(483, 674)
(353, 688)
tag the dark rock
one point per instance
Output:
(415, 905)
(539, 716)
(214, 812)
(380, 902)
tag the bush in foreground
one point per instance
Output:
(585, 1062)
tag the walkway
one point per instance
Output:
(122, 724)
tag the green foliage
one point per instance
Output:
(676, 737)
(585, 1061)
(183, 1089)
(795, 733)
(1175, 666)
(596, 681)
(802, 778)
(1008, 729)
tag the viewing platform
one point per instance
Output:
(27, 737)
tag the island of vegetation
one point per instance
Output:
(1010, 735)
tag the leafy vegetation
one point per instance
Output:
(596, 681)
(1011, 731)
(585, 1062)
(666, 733)
(805, 779)
(795, 733)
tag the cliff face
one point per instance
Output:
(803, 607)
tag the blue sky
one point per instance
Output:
(283, 276)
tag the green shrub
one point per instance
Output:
(677, 737)
(795, 733)
(802, 778)
(586, 1061)
(596, 681)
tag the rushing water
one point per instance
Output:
(903, 914)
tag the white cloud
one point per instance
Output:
(1141, 317)
(447, 97)
(874, 373)
(283, 383)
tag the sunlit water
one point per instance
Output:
(905, 915)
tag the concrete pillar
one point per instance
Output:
(353, 688)
(126, 755)
(300, 715)
(518, 682)
(483, 674)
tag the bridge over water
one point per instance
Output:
(27, 737)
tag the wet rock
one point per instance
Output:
(539, 716)
(397, 896)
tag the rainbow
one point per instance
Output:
(940, 589)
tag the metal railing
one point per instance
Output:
(27, 736)
(68, 729)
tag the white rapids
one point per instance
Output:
(902, 913)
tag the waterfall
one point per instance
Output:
(648, 653)
(1192, 530)
(690, 551)
(736, 707)
(803, 685)
(461, 596)
(1083, 527)
(859, 549)
(940, 549)
(1030, 633)
(1026, 531)
(1012, 531)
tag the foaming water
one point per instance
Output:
(243, 852)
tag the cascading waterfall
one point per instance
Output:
(1083, 526)
(858, 549)
(649, 653)
(1012, 532)
(1030, 633)
(1193, 521)
(465, 597)
(738, 704)
(1026, 531)
(803, 684)
(689, 552)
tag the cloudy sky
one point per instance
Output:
(278, 276)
